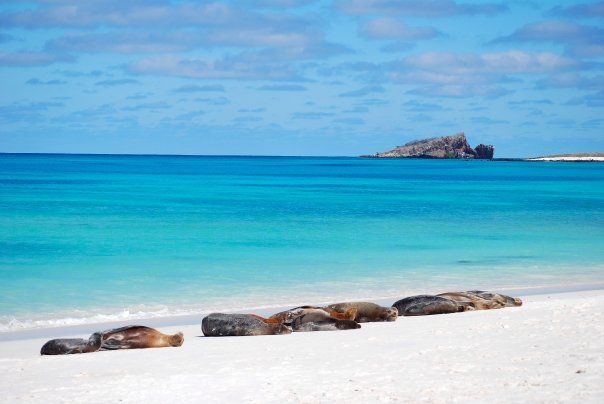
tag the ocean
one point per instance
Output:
(93, 238)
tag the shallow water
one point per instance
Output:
(99, 238)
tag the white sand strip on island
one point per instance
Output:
(549, 350)
(568, 158)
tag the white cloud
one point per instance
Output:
(282, 87)
(392, 28)
(26, 59)
(364, 91)
(573, 80)
(192, 88)
(460, 90)
(590, 10)
(472, 74)
(79, 14)
(210, 69)
(579, 40)
(125, 42)
(509, 62)
(426, 8)
(277, 3)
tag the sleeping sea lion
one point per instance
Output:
(473, 300)
(507, 301)
(367, 312)
(321, 321)
(423, 305)
(64, 346)
(222, 325)
(138, 336)
(288, 316)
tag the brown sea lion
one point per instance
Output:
(367, 312)
(64, 346)
(322, 321)
(137, 337)
(472, 300)
(287, 317)
(507, 301)
(233, 325)
(423, 305)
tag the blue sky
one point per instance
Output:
(299, 77)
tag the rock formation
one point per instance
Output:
(484, 151)
(455, 146)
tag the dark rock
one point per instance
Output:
(484, 151)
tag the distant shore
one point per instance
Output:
(548, 350)
(569, 158)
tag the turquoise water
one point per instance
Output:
(94, 238)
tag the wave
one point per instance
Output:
(16, 323)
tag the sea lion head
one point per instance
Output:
(176, 339)
(391, 314)
(95, 339)
(378, 313)
(517, 301)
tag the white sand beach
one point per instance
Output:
(549, 350)
(568, 158)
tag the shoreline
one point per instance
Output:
(548, 350)
(190, 319)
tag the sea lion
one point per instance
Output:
(321, 321)
(507, 301)
(472, 300)
(137, 337)
(367, 312)
(64, 346)
(288, 316)
(423, 305)
(233, 325)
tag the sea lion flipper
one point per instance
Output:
(348, 314)
(269, 320)
(111, 345)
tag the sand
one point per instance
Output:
(549, 350)
(568, 158)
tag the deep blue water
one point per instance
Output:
(92, 238)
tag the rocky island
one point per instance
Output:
(446, 147)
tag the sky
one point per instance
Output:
(299, 77)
